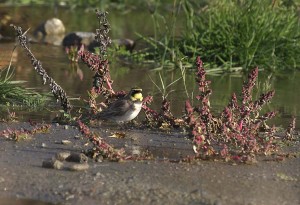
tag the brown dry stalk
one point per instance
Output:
(56, 89)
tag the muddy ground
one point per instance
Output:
(23, 180)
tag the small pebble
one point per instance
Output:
(78, 167)
(77, 157)
(99, 158)
(3, 180)
(62, 156)
(72, 196)
(65, 142)
(66, 127)
(52, 164)
(136, 150)
(44, 145)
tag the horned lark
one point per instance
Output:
(124, 109)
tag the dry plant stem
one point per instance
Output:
(102, 32)
(102, 83)
(56, 90)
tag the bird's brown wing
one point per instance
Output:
(117, 108)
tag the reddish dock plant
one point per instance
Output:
(239, 131)
(102, 82)
(105, 150)
(163, 119)
(18, 134)
(290, 131)
(101, 147)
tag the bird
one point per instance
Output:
(124, 109)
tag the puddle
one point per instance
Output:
(77, 80)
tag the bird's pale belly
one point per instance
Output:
(130, 114)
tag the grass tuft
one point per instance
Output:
(11, 92)
(229, 35)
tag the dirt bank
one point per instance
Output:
(149, 182)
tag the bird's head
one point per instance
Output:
(136, 94)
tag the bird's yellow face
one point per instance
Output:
(136, 94)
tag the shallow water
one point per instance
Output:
(76, 81)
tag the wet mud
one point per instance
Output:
(24, 180)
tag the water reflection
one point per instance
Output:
(77, 79)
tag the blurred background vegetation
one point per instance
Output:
(228, 34)
(85, 3)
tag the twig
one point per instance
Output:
(56, 90)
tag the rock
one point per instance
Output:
(78, 38)
(7, 34)
(52, 26)
(77, 157)
(136, 150)
(65, 142)
(50, 32)
(52, 164)
(87, 39)
(124, 42)
(62, 156)
(77, 167)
